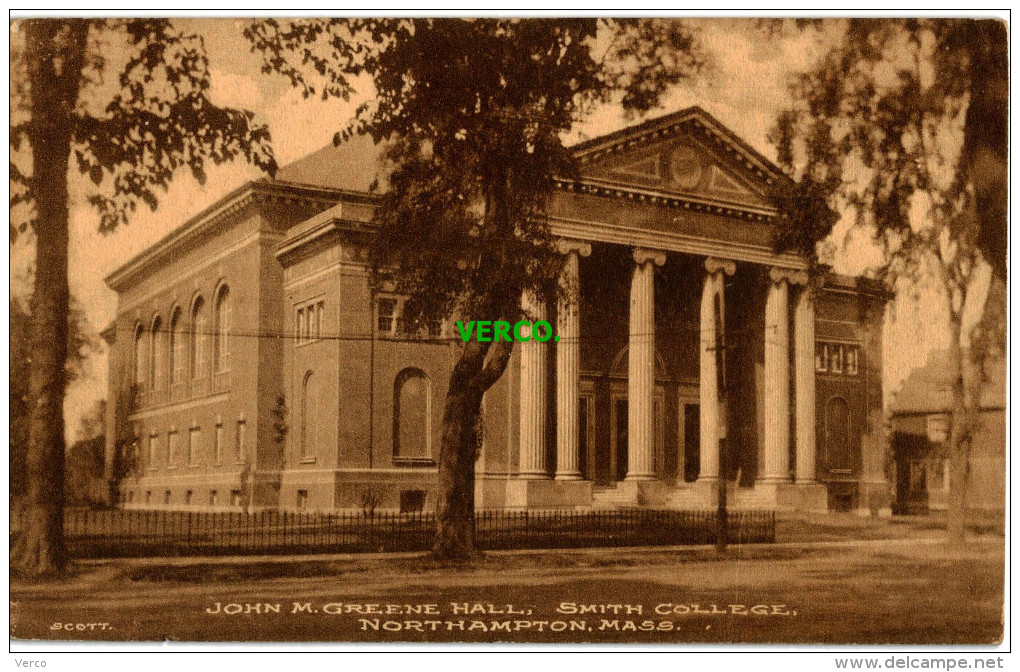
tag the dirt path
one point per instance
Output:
(906, 591)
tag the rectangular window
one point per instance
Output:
(171, 448)
(390, 321)
(836, 359)
(387, 316)
(936, 476)
(153, 449)
(218, 446)
(166, 497)
(302, 499)
(239, 441)
(852, 355)
(188, 497)
(194, 445)
(822, 357)
(235, 498)
(308, 321)
(148, 496)
(214, 498)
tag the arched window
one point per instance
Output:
(221, 348)
(837, 435)
(412, 406)
(156, 351)
(309, 419)
(176, 350)
(199, 339)
(138, 366)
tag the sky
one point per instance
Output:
(745, 89)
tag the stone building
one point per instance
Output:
(253, 367)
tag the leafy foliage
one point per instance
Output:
(883, 127)
(473, 113)
(135, 128)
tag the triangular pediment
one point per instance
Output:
(686, 154)
(681, 166)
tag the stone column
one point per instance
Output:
(568, 352)
(641, 367)
(532, 403)
(804, 383)
(777, 376)
(712, 287)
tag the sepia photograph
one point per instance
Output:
(511, 330)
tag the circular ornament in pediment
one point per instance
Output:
(685, 167)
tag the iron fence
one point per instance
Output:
(135, 533)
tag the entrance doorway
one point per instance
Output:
(692, 441)
(619, 447)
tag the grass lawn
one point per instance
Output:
(903, 587)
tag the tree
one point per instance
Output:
(80, 345)
(127, 100)
(474, 113)
(902, 125)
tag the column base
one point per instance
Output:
(568, 476)
(789, 496)
(643, 492)
(874, 499)
(525, 493)
(640, 477)
(534, 476)
(773, 480)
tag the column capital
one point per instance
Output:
(568, 245)
(791, 276)
(644, 254)
(807, 294)
(715, 264)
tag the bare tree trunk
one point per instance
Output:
(455, 511)
(959, 437)
(987, 338)
(55, 51)
(472, 375)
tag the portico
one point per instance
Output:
(657, 198)
(636, 402)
